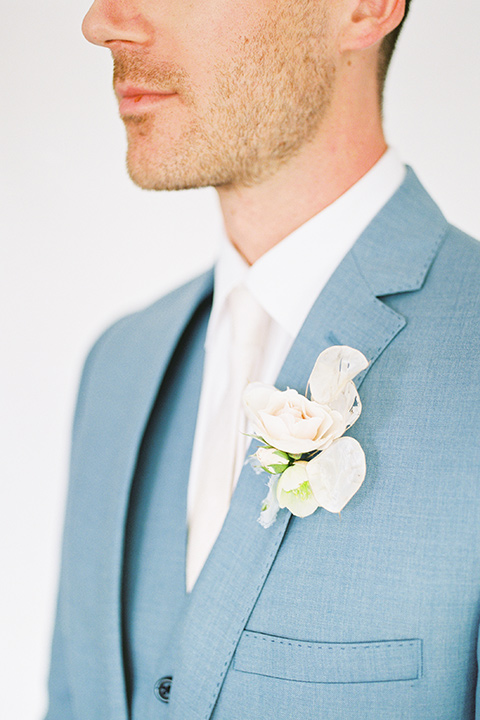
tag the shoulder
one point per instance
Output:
(459, 257)
(453, 283)
(121, 336)
(442, 317)
(127, 348)
(450, 293)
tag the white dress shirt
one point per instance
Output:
(286, 281)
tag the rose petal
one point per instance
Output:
(305, 428)
(275, 432)
(337, 473)
(334, 368)
(294, 446)
(274, 426)
(256, 397)
(284, 400)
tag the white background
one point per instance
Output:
(80, 245)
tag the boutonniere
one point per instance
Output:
(309, 462)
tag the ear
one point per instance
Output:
(368, 21)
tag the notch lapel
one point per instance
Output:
(393, 255)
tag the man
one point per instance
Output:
(167, 608)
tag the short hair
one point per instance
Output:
(387, 47)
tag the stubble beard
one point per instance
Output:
(264, 106)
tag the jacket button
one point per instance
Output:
(162, 688)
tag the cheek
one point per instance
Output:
(223, 33)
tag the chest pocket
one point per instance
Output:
(365, 662)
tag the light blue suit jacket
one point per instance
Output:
(374, 615)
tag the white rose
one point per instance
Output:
(288, 421)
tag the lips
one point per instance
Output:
(134, 100)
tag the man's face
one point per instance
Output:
(215, 92)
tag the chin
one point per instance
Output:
(165, 175)
(148, 178)
(149, 182)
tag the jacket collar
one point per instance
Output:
(393, 255)
(396, 251)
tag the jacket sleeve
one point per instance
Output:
(477, 702)
(60, 696)
(60, 701)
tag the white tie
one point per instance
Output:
(220, 457)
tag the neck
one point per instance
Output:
(348, 143)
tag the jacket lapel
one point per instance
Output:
(109, 426)
(393, 255)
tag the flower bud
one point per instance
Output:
(271, 460)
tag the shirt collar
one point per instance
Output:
(287, 279)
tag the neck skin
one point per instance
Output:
(349, 141)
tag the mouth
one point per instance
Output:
(134, 100)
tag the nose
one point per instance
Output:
(110, 21)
